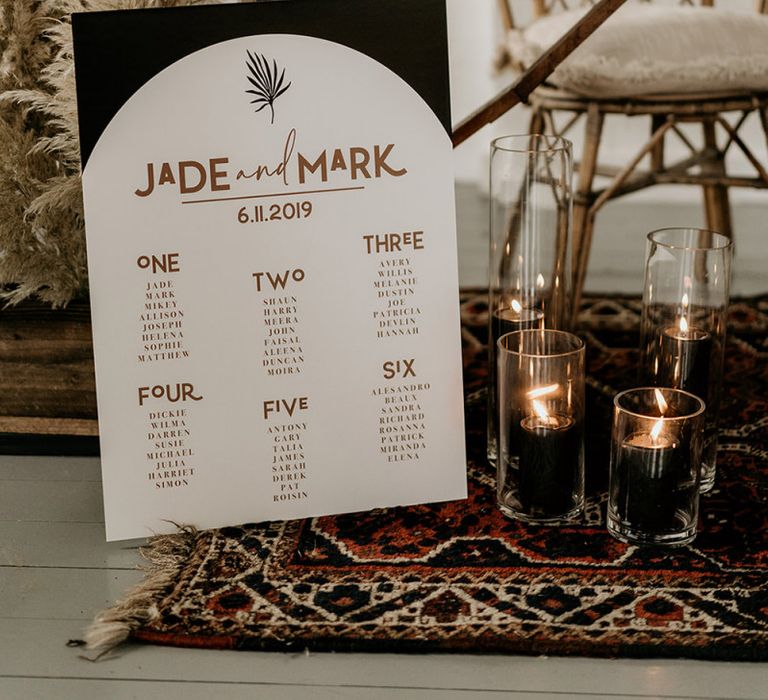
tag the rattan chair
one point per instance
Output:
(720, 116)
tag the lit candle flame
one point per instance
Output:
(540, 281)
(542, 391)
(663, 406)
(684, 303)
(517, 307)
(656, 430)
(540, 410)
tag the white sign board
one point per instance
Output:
(272, 260)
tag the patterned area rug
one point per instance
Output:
(460, 577)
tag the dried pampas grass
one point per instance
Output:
(42, 239)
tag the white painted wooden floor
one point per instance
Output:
(56, 572)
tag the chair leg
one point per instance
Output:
(762, 111)
(718, 209)
(583, 218)
(717, 206)
(537, 122)
(657, 152)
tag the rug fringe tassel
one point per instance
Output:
(164, 555)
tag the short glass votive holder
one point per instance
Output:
(685, 303)
(540, 467)
(656, 442)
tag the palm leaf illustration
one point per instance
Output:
(266, 86)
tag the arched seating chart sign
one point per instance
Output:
(272, 258)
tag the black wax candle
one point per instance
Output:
(550, 465)
(510, 319)
(651, 483)
(684, 360)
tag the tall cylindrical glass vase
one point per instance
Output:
(685, 302)
(530, 247)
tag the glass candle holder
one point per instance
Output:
(685, 302)
(530, 251)
(540, 468)
(653, 497)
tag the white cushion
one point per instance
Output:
(644, 50)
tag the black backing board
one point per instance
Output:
(118, 52)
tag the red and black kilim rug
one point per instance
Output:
(460, 577)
